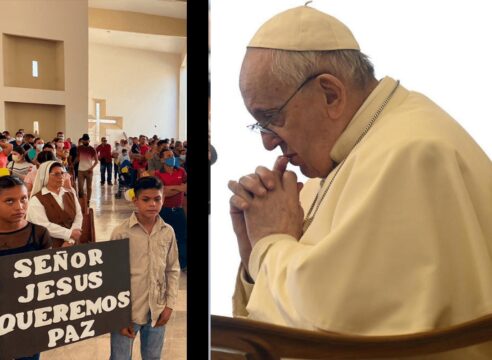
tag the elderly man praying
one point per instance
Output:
(393, 233)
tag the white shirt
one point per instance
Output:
(36, 214)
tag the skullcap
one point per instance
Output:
(304, 29)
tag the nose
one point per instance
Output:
(19, 205)
(270, 141)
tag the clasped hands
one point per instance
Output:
(265, 203)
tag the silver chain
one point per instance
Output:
(309, 218)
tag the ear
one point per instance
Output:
(335, 94)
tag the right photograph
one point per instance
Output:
(351, 186)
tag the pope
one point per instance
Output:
(392, 233)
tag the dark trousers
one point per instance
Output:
(106, 167)
(34, 357)
(116, 172)
(177, 219)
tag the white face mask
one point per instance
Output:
(16, 157)
(19, 138)
(39, 147)
(182, 157)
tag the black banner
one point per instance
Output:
(51, 298)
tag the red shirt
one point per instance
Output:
(178, 177)
(104, 151)
(142, 163)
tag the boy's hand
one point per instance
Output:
(164, 317)
(128, 332)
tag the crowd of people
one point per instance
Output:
(45, 185)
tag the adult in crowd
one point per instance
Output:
(115, 154)
(42, 157)
(49, 147)
(106, 160)
(155, 162)
(19, 166)
(393, 234)
(73, 164)
(174, 179)
(87, 160)
(178, 146)
(5, 149)
(61, 152)
(17, 141)
(7, 135)
(137, 154)
(66, 142)
(38, 145)
(55, 207)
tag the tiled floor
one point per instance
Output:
(109, 212)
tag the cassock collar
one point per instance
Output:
(362, 117)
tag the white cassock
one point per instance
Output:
(402, 241)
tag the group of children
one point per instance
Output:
(154, 263)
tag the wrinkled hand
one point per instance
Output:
(257, 184)
(164, 317)
(128, 332)
(279, 211)
(254, 209)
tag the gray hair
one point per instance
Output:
(352, 67)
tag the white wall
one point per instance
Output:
(55, 20)
(141, 86)
(440, 48)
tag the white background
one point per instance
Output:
(441, 48)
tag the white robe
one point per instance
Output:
(402, 242)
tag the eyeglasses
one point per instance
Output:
(58, 175)
(271, 115)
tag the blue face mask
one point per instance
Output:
(170, 161)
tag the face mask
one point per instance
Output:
(19, 138)
(16, 157)
(61, 137)
(170, 161)
(182, 157)
(130, 142)
(39, 147)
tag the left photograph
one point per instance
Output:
(93, 179)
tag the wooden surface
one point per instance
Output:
(262, 341)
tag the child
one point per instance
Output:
(154, 269)
(16, 234)
(125, 173)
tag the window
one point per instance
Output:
(34, 68)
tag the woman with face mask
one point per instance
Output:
(19, 166)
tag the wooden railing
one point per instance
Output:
(236, 338)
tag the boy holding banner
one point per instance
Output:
(154, 269)
(17, 235)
